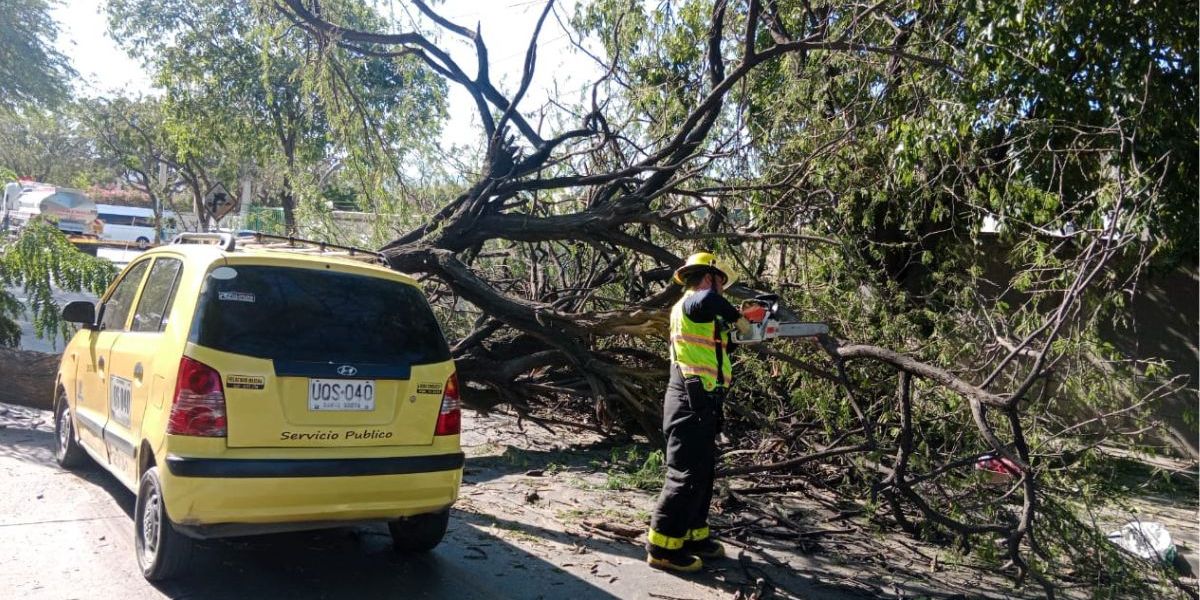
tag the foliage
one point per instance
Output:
(33, 71)
(1065, 74)
(236, 84)
(98, 144)
(131, 139)
(41, 262)
(633, 468)
(1050, 117)
(46, 145)
(849, 156)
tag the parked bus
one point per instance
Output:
(127, 224)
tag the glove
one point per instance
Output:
(755, 313)
(743, 327)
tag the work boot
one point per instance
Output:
(707, 548)
(672, 560)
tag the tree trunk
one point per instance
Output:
(288, 202)
(156, 205)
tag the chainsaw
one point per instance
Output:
(762, 313)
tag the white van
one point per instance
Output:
(127, 224)
(12, 191)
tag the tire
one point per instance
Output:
(419, 533)
(162, 552)
(143, 243)
(67, 451)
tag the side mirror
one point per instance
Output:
(80, 311)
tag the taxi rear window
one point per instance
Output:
(287, 313)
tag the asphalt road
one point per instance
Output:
(70, 535)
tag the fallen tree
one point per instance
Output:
(870, 144)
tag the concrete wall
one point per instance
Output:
(1165, 324)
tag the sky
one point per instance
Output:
(106, 70)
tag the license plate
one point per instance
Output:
(341, 394)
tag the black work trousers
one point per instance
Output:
(691, 422)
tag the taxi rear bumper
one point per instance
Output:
(238, 468)
(210, 497)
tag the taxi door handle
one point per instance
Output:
(137, 372)
(101, 363)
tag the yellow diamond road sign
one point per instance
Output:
(220, 202)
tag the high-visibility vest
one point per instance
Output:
(700, 349)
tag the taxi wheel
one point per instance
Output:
(419, 533)
(162, 552)
(67, 451)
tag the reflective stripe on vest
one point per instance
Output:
(699, 348)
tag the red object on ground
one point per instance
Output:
(999, 465)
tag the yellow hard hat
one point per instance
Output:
(705, 261)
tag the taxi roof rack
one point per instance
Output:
(224, 240)
(255, 240)
(267, 241)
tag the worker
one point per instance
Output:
(679, 537)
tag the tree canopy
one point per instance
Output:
(234, 84)
(34, 72)
(46, 145)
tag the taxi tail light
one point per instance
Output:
(449, 421)
(199, 405)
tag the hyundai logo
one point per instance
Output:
(347, 371)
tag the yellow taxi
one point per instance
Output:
(240, 389)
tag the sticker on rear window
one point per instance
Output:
(236, 296)
(223, 273)
(246, 382)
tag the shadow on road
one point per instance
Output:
(359, 563)
(35, 444)
(27, 444)
(349, 562)
(718, 575)
(727, 577)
